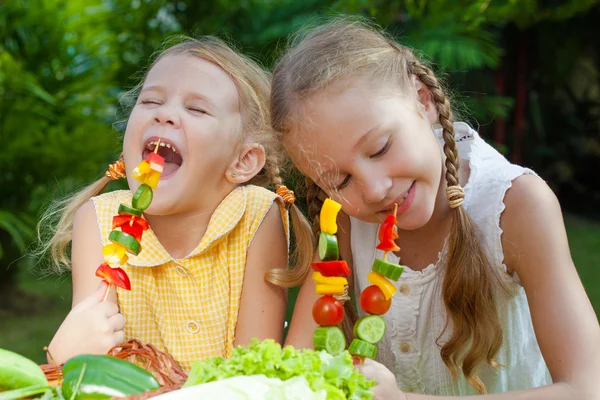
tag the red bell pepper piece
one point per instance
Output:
(134, 230)
(131, 224)
(114, 276)
(120, 220)
(388, 232)
(331, 268)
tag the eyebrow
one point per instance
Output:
(365, 137)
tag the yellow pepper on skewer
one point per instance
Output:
(328, 217)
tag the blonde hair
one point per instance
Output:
(339, 50)
(253, 85)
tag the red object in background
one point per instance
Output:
(114, 276)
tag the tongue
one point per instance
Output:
(170, 168)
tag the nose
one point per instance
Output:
(166, 115)
(375, 189)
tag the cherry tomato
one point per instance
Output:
(328, 311)
(372, 301)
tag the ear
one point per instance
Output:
(425, 98)
(250, 160)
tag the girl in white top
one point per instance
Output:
(370, 126)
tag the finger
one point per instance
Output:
(367, 370)
(96, 296)
(117, 322)
(119, 337)
(108, 309)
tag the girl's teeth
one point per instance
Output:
(152, 146)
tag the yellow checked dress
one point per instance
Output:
(189, 307)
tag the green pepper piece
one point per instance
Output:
(104, 377)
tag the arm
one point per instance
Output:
(536, 247)
(302, 326)
(262, 304)
(92, 326)
(86, 254)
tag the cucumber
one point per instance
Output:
(17, 371)
(124, 209)
(142, 197)
(329, 338)
(126, 240)
(328, 247)
(370, 328)
(363, 349)
(387, 269)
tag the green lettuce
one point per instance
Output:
(335, 375)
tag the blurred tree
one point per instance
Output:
(64, 65)
(56, 109)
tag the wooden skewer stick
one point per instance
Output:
(107, 292)
(156, 148)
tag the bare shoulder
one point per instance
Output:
(532, 222)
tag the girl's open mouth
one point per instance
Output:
(166, 150)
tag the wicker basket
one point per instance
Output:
(163, 366)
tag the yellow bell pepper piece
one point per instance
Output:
(152, 179)
(329, 280)
(114, 253)
(386, 286)
(141, 171)
(137, 175)
(144, 167)
(328, 217)
(330, 289)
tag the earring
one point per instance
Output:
(233, 174)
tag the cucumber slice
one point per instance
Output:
(363, 349)
(142, 197)
(124, 209)
(328, 247)
(387, 269)
(370, 328)
(126, 240)
(329, 338)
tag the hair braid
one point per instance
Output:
(304, 241)
(465, 299)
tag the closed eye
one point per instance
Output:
(197, 110)
(383, 150)
(149, 101)
(344, 183)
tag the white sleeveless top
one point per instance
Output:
(417, 315)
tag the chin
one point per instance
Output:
(418, 217)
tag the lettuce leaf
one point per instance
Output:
(335, 375)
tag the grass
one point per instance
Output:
(27, 332)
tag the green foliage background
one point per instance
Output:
(65, 64)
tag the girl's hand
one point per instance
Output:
(386, 387)
(92, 327)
